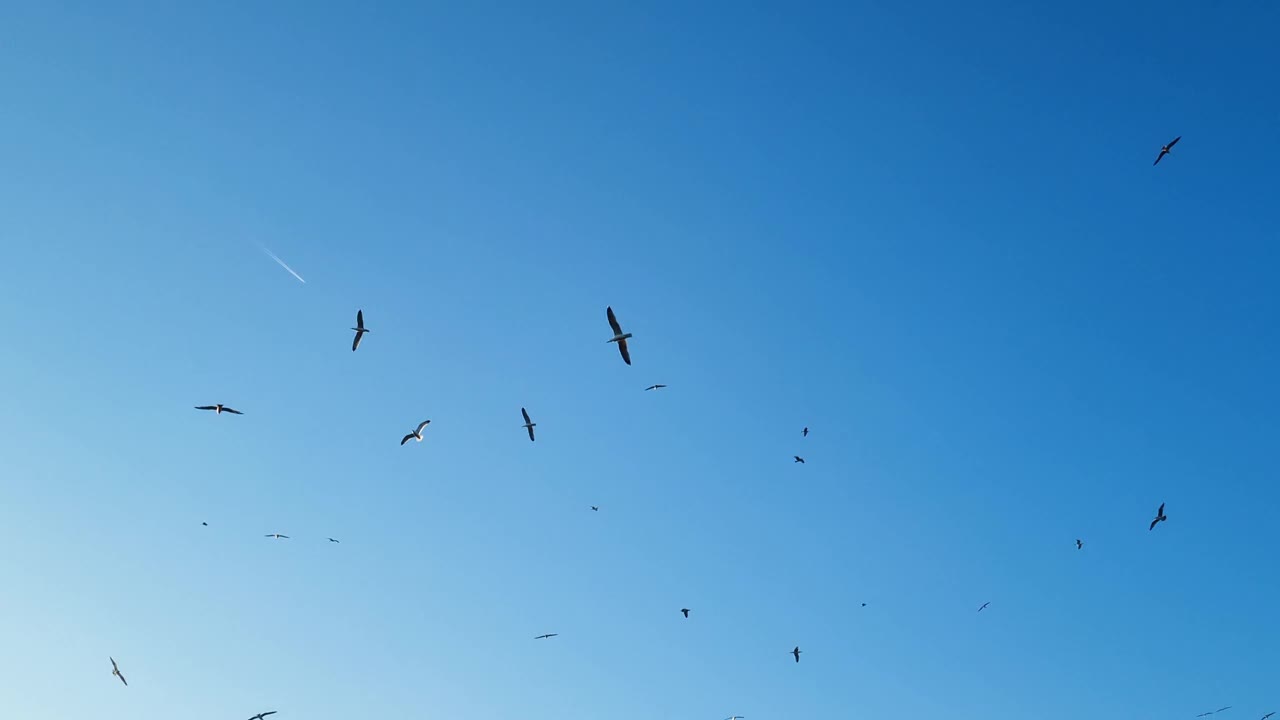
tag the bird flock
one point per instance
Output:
(620, 338)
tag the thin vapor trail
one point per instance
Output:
(283, 265)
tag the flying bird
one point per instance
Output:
(1160, 517)
(1165, 150)
(1079, 544)
(735, 717)
(115, 670)
(548, 635)
(984, 606)
(262, 715)
(528, 424)
(798, 459)
(277, 536)
(1264, 717)
(219, 409)
(804, 432)
(796, 652)
(332, 540)
(205, 524)
(659, 386)
(685, 611)
(360, 330)
(864, 604)
(619, 336)
(416, 434)
(595, 508)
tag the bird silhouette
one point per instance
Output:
(804, 432)
(544, 637)
(798, 459)
(1079, 544)
(1165, 150)
(528, 424)
(685, 611)
(262, 715)
(219, 409)
(1160, 517)
(619, 336)
(360, 330)
(115, 670)
(984, 606)
(796, 652)
(416, 434)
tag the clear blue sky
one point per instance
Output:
(931, 233)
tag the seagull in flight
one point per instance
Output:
(796, 652)
(798, 459)
(416, 434)
(735, 717)
(1264, 717)
(804, 432)
(659, 386)
(685, 611)
(1079, 543)
(205, 524)
(332, 540)
(360, 330)
(219, 409)
(595, 508)
(548, 635)
(619, 336)
(262, 715)
(984, 606)
(528, 424)
(1165, 150)
(1160, 517)
(277, 536)
(115, 670)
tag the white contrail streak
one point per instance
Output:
(283, 265)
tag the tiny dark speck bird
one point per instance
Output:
(595, 508)
(796, 652)
(798, 459)
(804, 432)
(1160, 517)
(685, 611)
(1079, 543)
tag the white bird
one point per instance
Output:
(619, 336)
(115, 670)
(277, 536)
(416, 434)
(528, 424)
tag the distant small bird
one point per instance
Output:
(544, 637)
(798, 459)
(277, 536)
(219, 409)
(1165, 150)
(205, 524)
(360, 330)
(1079, 544)
(655, 387)
(796, 652)
(595, 508)
(685, 611)
(864, 604)
(115, 670)
(528, 424)
(262, 715)
(416, 434)
(619, 336)
(1264, 717)
(735, 717)
(984, 606)
(1160, 517)
(804, 432)
(332, 540)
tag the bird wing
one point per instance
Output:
(233, 412)
(613, 322)
(286, 537)
(1159, 157)
(525, 413)
(423, 424)
(1173, 142)
(360, 319)
(626, 354)
(121, 676)
(530, 429)
(406, 438)
(1160, 512)
(206, 407)
(356, 342)
(1154, 523)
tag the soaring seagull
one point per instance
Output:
(416, 434)
(548, 635)
(1160, 517)
(798, 459)
(804, 432)
(685, 611)
(1264, 717)
(219, 409)
(1165, 150)
(984, 606)
(596, 508)
(115, 670)
(619, 336)
(277, 536)
(796, 652)
(262, 715)
(735, 717)
(1079, 544)
(528, 424)
(360, 330)
(659, 386)
(332, 540)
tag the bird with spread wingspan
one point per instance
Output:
(1079, 543)
(595, 508)
(528, 424)
(1160, 517)
(798, 459)
(416, 434)
(360, 330)
(219, 409)
(1165, 150)
(796, 652)
(804, 432)
(1264, 717)
(115, 670)
(984, 606)
(277, 536)
(333, 541)
(544, 637)
(262, 715)
(659, 386)
(619, 336)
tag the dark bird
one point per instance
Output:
(205, 524)
(685, 611)
(984, 606)
(277, 536)
(796, 652)
(735, 717)
(416, 434)
(115, 670)
(864, 604)
(596, 508)
(548, 635)
(528, 424)
(360, 330)
(619, 336)
(262, 715)
(1165, 150)
(219, 409)
(804, 432)
(1160, 517)
(1264, 717)
(798, 459)
(655, 387)
(332, 540)
(1079, 543)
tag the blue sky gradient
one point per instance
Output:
(930, 232)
